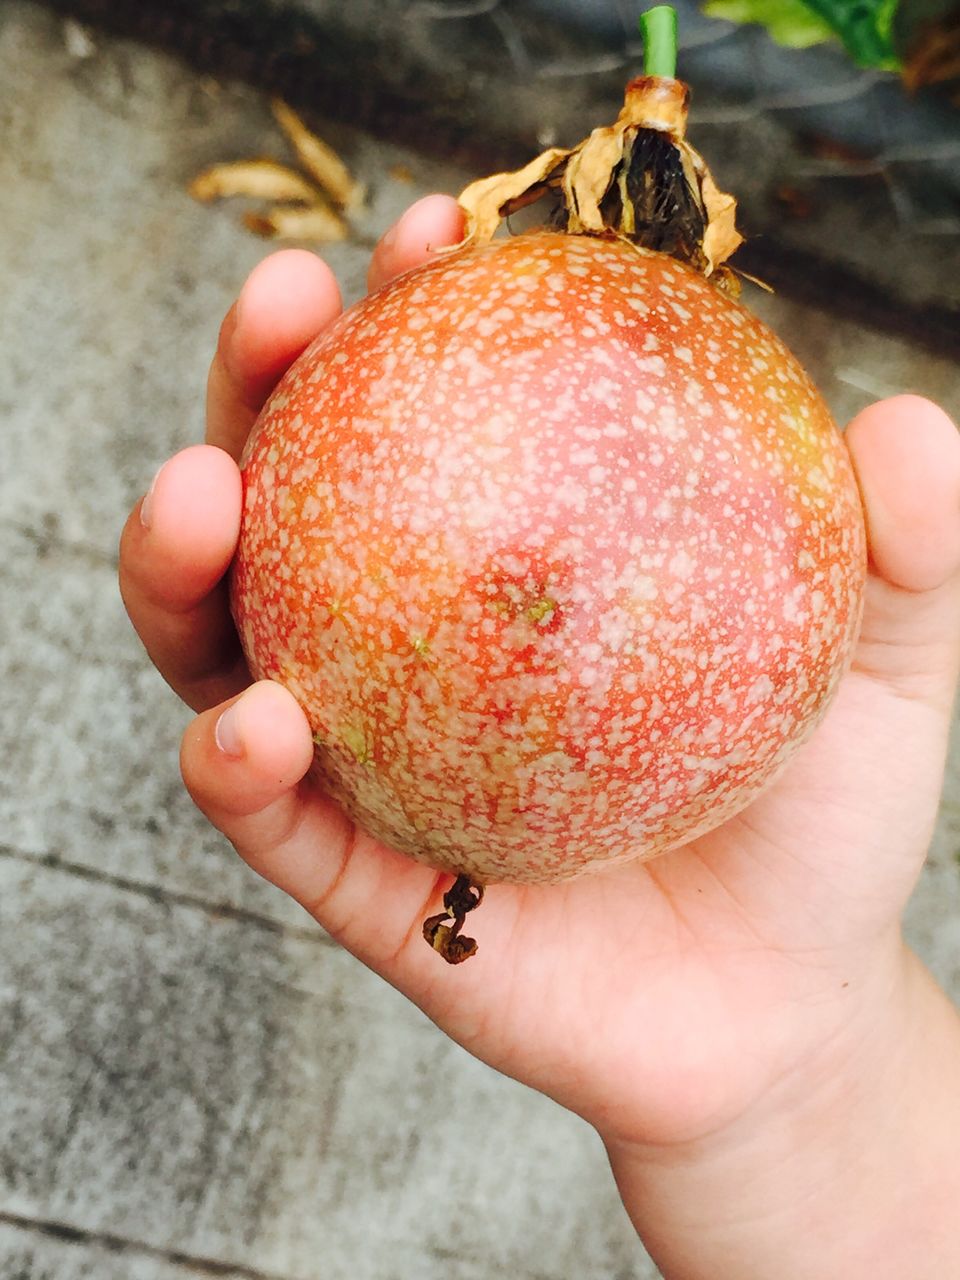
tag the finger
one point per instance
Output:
(906, 453)
(244, 763)
(174, 551)
(286, 301)
(432, 223)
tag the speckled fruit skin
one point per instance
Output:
(559, 549)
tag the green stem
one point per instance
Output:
(658, 26)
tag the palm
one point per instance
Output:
(700, 976)
(691, 971)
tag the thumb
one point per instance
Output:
(906, 453)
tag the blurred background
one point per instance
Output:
(193, 1081)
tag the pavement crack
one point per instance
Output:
(48, 544)
(190, 1263)
(164, 897)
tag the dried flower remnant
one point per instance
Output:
(445, 937)
(638, 179)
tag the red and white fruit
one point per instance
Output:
(558, 548)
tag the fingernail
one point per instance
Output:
(227, 733)
(146, 506)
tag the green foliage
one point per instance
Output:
(864, 26)
(790, 22)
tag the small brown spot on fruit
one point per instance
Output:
(355, 740)
(541, 610)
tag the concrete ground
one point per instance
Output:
(194, 1081)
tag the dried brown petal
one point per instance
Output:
(488, 201)
(722, 239)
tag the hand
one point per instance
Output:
(662, 1001)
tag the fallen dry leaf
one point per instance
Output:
(318, 159)
(934, 60)
(297, 222)
(257, 179)
(302, 208)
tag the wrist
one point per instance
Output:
(842, 1168)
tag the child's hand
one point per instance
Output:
(670, 1002)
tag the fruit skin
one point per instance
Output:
(559, 549)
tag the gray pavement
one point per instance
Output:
(193, 1080)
